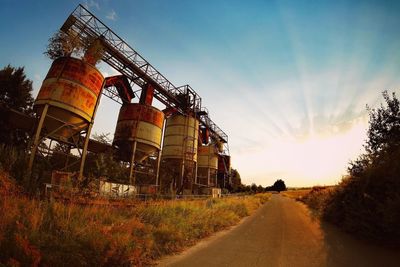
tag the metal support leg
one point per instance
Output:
(158, 168)
(84, 152)
(182, 174)
(67, 159)
(37, 138)
(87, 137)
(131, 170)
(208, 176)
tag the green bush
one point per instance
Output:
(367, 202)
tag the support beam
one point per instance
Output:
(84, 152)
(132, 164)
(87, 136)
(158, 169)
(37, 138)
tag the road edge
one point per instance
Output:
(202, 243)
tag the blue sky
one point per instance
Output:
(287, 80)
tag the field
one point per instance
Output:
(34, 232)
(296, 193)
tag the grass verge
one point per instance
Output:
(34, 232)
(296, 193)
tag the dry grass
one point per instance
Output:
(317, 198)
(296, 193)
(34, 232)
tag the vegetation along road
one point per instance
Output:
(284, 233)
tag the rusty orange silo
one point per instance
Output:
(140, 124)
(71, 90)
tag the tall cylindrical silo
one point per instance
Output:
(138, 133)
(207, 165)
(140, 123)
(179, 154)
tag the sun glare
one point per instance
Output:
(318, 159)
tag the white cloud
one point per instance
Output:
(106, 70)
(112, 15)
(91, 3)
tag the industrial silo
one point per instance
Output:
(179, 154)
(69, 97)
(207, 166)
(66, 105)
(138, 134)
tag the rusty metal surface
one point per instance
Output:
(77, 71)
(138, 112)
(140, 123)
(72, 87)
(124, 89)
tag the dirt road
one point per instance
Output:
(284, 233)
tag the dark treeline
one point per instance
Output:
(238, 187)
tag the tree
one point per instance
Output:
(236, 180)
(253, 187)
(103, 138)
(384, 127)
(15, 89)
(62, 44)
(15, 93)
(104, 164)
(279, 185)
(370, 194)
(260, 189)
(383, 136)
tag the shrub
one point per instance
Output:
(367, 202)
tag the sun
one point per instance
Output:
(317, 159)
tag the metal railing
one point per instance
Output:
(71, 193)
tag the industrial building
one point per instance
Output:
(175, 150)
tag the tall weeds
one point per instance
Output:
(34, 232)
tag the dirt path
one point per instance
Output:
(283, 233)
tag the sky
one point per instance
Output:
(288, 81)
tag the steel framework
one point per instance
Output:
(123, 58)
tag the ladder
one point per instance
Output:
(188, 153)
